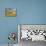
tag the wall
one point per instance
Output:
(28, 12)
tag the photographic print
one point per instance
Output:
(10, 12)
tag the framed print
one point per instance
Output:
(10, 12)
